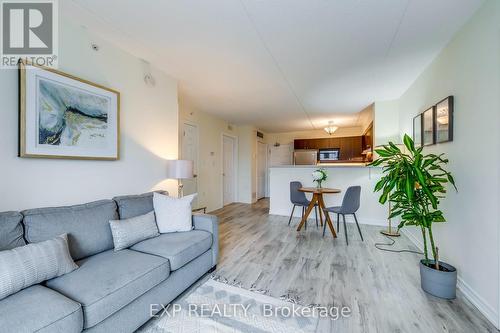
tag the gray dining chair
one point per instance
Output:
(299, 199)
(350, 205)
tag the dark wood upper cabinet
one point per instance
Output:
(299, 144)
(333, 143)
(350, 147)
(345, 148)
(314, 143)
(367, 138)
(356, 146)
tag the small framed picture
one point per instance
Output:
(444, 120)
(417, 130)
(428, 131)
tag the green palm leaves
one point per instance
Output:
(414, 183)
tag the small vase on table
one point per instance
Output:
(319, 176)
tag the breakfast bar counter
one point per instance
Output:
(340, 176)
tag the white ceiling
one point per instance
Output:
(281, 65)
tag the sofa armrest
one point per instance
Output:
(209, 223)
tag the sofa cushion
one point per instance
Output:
(87, 226)
(40, 309)
(135, 205)
(108, 281)
(135, 314)
(178, 247)
(11, 230)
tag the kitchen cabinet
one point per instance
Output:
(350, 147)
(333, 143)
(367, 139)
(354, 147)
(319, 143)
(311, 143)
(299, 144)
(346, 147)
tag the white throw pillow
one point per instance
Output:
(173, 214)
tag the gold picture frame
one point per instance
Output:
(30, 73)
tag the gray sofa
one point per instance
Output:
(110, 291)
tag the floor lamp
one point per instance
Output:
(180, 169)
(390, 231)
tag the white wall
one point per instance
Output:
(469, 69)
(210, 130)
(149, 128)
(386, 122)
(366, 117)
(209, 178)
(247, 168)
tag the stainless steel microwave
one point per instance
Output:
(329, 155)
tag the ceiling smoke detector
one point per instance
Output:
(149, 80)
(148, 77)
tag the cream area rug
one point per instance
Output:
(215, 307)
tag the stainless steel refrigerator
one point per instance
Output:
(305, 157)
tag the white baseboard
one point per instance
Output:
(382, 223)
(478, 302)
(486, 309)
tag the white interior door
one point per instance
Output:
(261, 170)
(189, 151)
(228, 166)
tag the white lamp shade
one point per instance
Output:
(179, 169)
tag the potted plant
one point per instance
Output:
(319, 176)
(414, 183)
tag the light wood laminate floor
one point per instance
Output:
(382, 289)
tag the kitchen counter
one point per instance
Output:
(328, 165)
(341, 176)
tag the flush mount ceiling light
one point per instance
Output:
(330, 129)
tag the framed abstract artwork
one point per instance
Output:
(417, 130)
(62, 116)
(444, 120)
(428, 137)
